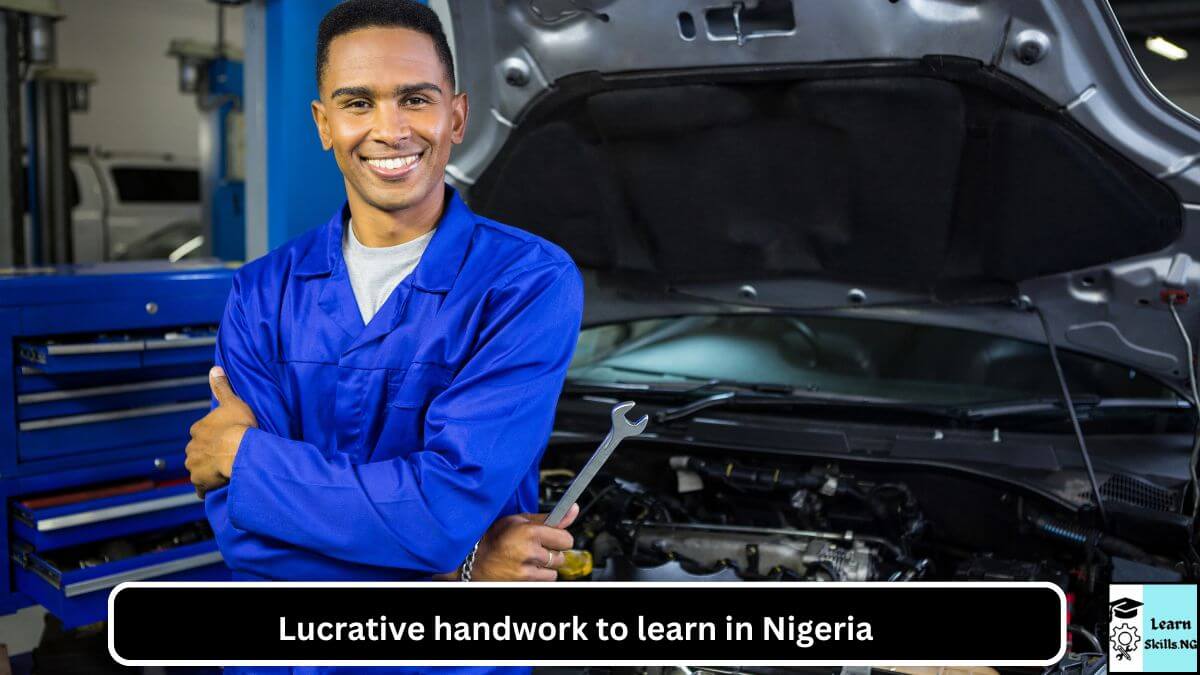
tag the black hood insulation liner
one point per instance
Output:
(917, 175)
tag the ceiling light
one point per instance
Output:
(1165, 48)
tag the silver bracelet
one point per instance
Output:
(468, 564)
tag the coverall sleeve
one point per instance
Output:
(483, 433)
(244, 350)
(254, 377)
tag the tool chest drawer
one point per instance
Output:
(103, 370)
(124, 508)
(97, 431)
(43, 397)
(73, 583)
(95, 393)
(124, 351)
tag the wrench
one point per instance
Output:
(621, 429)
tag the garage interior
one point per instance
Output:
(137, 132)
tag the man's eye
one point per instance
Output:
(415, 100)
(358, 103)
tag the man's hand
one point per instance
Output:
(216, 437)
(521, 548)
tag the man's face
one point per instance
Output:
(390, 115)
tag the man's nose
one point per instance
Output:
(392, 125)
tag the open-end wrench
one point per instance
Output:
(621, 429)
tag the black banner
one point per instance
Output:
(588, 623)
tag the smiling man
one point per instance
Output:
(389, 379)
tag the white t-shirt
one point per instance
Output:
(375, 272)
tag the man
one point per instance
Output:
(386, 383)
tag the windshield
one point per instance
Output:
(156, 184)
(846, 356)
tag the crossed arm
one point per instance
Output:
(423, 512)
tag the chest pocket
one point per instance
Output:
(415, 388)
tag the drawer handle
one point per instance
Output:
(67, 394)
(72, 420)
(114, 512)
(97, 348)
(116, 347)
(161, 569)
(179, 343)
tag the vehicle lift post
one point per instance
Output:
(27, 39)
(214, 74)
(54, 94)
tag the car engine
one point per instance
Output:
(661, 512)
(636, 533)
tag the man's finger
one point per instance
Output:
(540, 574)
(537, 555)
(557, 560)
(572, 514)
(220, 385)
(540, 518)
(554, 538)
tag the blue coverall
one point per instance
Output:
(384, 451)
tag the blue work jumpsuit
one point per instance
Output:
(384, 451)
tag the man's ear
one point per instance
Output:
(460, 108)
(322, 122)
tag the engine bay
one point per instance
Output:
(660, 512)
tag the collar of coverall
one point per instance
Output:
(439, 264)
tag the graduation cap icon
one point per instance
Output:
(1124, 608)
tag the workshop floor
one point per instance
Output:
(32, 640)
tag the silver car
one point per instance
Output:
(904, 285)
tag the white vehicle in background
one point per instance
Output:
(144, 205)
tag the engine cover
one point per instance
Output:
(828, 557)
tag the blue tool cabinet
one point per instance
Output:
(102, 370)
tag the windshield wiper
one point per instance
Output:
(726, 392)
(660, 373)
(697, 384)
(1083, 404)
(795, 398)
(752, 394)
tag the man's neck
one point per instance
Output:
(376, 228)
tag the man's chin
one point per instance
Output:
(394, 199)
(390, 203)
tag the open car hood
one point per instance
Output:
(943, 161)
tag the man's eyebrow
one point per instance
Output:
(405, 89)
(364, 92)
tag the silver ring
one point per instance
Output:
(549, 559)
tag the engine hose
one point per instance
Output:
(1087, 537)
(1072, 533)
(1087, 635)
(828, 568)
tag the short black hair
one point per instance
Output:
(353, 15)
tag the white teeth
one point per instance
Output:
(393, 163)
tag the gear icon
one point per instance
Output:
(1125, 639)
